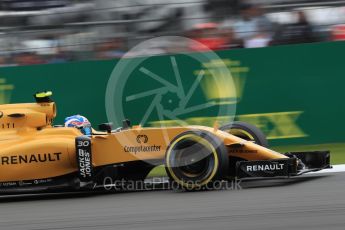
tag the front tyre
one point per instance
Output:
(196, 160)
(247, 132)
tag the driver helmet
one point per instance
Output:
(79, 122)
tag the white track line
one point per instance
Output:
(336, 168)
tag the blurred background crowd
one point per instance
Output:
(55, 31)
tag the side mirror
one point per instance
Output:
(106, 127)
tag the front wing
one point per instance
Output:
(298, 163)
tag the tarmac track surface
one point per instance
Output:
(310, 202)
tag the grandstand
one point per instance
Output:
(50, 31)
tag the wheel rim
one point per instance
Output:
(193, 166)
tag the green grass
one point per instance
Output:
(337, 154)
(157, 172)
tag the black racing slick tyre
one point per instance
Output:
(246, 131)
(196, 160)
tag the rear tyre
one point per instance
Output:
(246, 131)
(196, 160)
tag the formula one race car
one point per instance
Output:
(37, 156)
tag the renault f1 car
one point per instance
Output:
(37, 156)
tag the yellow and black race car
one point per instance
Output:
(37, 156)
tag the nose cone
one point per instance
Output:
(247, 150)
